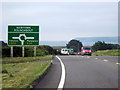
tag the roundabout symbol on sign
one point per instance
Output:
(22, 38)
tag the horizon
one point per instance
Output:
(85, 41)
(76, 38)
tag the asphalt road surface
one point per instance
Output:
(82, 72)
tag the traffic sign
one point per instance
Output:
(23, 35)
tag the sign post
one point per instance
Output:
(35, 51)
(23, 35)
(11, 51)
(23, 51)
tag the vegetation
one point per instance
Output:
(104, 46)
(107, 53)
(3, 43)
(25, 59)
(18, 72)
(29, 51)
(75, 45)
(21, 75)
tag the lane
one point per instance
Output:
(114, 59)
(52, 79)
(82, 72)
(87, 72)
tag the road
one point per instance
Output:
(82, 72)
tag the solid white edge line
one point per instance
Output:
(62, 81)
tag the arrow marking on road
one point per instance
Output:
(62, 81)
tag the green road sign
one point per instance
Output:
(23, 35)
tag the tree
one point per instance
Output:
(104, 46)
(3, 43)
(75, 44)
(99, 46)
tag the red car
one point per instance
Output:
(86, 51)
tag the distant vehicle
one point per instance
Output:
(77, 53)
(64, 51)
(70, 51)
(86, 51)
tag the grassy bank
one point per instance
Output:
(25, 59)
(107, 53)
(21, 75)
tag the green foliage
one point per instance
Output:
(6, 60)
(21, 75)
(46, 49)
(29, 51)
(107, 53)
(17, 51)
(6, 52)
(104, 46)
(41, 52)
(75, 45)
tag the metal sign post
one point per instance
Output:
(23, 50)
(11, 49)
(35, 51)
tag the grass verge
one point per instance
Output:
(107, 53)
(25, 59)
(21, 75)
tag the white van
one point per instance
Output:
(64, 51)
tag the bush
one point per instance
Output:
(6, 51)
(16, 51)
(104, 46)
(40, 52)
(29, 51)
(47, 49)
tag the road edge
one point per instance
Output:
(62, 80)
(36, 81)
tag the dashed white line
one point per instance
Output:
(105, 60)
(62, 81)
(108, 60)
(88, 57)
(117, 63)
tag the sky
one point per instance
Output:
(62, 21)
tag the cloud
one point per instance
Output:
(60, 0)
(61, 21)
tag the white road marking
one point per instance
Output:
(117, 63)
(88, 57)
(105, 60)
(51, 61)
(96, 58)
(62, 81)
